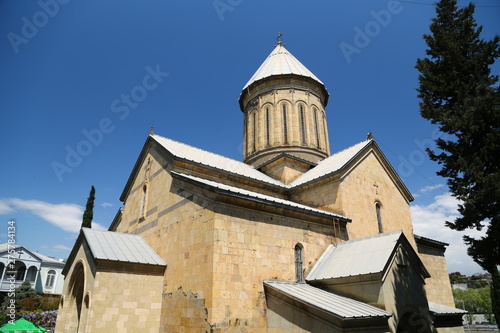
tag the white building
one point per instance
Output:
(20, 263)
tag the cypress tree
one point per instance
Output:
(88, 214)
(458, 93)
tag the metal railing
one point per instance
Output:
(7, 285)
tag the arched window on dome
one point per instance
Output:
(254, 131)
(302, 124)
(316, 128)
(285, 125)
(379, 217)
(299, 275)
(268, 126)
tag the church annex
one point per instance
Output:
(293, 239)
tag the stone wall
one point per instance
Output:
(438, 286)
(355, 192)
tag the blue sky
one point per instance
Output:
(69, 69)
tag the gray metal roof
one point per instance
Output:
(339, 306)
(204, 157)
(280, 62)
(429, 240)
(360, 256)
(330, 164)
(255, 195)
(441, 309)
(115, 246)
(327, 166)
(46, 259)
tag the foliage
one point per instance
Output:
(473, 300)
(46, 319)
(25, 295)
(38, 309)
(459, 94)
(88, 214)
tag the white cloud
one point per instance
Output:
(66, 216)
(4, 208)
(97, 226)
(429, 221)
(431, 188)
(106, 204)
(62, 247)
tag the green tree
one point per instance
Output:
(474, 301)
(88, 214)
(460, 95)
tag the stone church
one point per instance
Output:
(293, 239)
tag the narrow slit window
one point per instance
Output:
(285, 129)
(379, 218)
(299, 276)
(302, 125)
(268, 134)
(143, 202)
(254, 132)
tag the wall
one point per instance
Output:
(438, 286)
(354, 195)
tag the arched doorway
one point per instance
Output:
(75, 301)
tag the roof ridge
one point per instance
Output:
(340, 151)
(190, 146)
(300, 180)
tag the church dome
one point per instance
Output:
(284, 103)
(280, 62)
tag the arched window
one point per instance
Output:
(254, 132)
(268, 134)
(299, 277)
(302, 124)
(285, 128)
(379, 218)
(316, 127)
(21, 272)
(51, 278)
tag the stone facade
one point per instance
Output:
(223, 227)
(108, 297)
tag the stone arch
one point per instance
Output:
(76, 288)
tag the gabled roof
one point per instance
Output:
(115, 246)
(331, 164)
(200, 156)
(329, 302)
(280, 62)
(235, 191)
(43, 258)
(362, 256)
(325, 168)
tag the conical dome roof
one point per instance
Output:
(280, 62)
